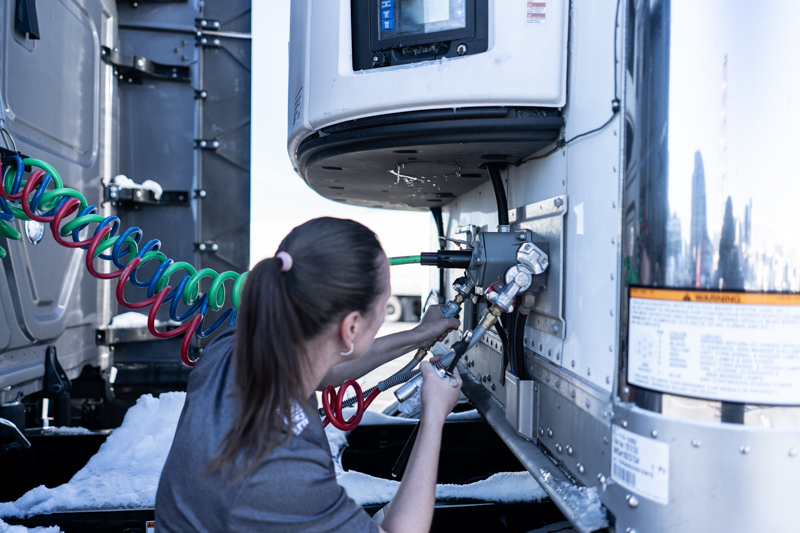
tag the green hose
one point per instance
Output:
(407, 260)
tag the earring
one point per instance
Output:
(352, 347)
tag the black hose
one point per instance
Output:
(518, 340)
(437, 217)
(504, 342)
(499, 193)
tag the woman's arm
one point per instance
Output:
(432, 326)
(411, 510)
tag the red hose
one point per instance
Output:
(332, 405)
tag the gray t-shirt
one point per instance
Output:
(293, 489)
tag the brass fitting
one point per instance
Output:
(420, 355)
(490, 318)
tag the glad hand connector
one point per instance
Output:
(463, 287)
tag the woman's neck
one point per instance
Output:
(321, 355)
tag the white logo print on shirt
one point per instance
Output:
(299, 418)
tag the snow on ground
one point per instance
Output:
(66, 430)
(6, 528)
(508, 487)
(124, 473)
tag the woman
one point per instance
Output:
(250, 453)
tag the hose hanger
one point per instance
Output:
(28, 198)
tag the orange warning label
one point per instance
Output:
(715, 297)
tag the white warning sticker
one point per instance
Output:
(150, 526)
(536, 13)
(740, 347)
(640, 464)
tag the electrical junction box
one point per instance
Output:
(401, 103)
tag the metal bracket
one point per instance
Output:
(135, 68)
(55, 379)
(207, 23)
(206, 246)
(133, 198)
(206, 144)
(209, 42)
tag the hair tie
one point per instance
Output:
(286, 259)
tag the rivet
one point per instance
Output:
(611, 349)
(611, 312)
(581, 468)
(608, 379)
(624, 423)
(541, 431)
(550, 433)
(489, 378)
(535, 388)
(588, 403)
(573, 363)
(558, 448)
(613, 241)
(696, 443)
(630, 530)
(493, 388)
(589, 371)
(572, 393)
(601, 478)
(216, 42)
(215, 144)
(569, 450)
(547, 378)
(745, 449)
(558, 355)
(558, 383)
(633, 502)
(605, 440)
(613, 205)
(654, 434)
(612, 277)
(792, 452)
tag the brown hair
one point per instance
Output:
(334, 272)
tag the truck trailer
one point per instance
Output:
(611, 186)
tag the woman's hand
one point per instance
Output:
(434, 325)
(439, 395)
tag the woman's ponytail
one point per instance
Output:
(334, 271)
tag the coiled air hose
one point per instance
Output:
(29, 199)
(333, 402)
(35, 202)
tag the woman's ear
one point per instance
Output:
(350, 326)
